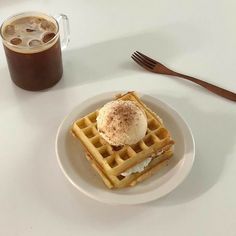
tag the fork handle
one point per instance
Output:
(213, 88)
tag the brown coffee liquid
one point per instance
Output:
(34, 60)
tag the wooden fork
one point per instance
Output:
(156, 67)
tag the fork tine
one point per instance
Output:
(152, 64)
(148, 58)
(140, 63)
(143, 62)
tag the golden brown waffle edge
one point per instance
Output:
(110, 163)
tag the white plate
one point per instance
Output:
(78, 171)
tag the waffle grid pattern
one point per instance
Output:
(113, 161)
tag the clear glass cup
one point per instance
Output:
(32, 45)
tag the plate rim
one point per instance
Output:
(124, 199)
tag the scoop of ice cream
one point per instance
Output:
(121, 122)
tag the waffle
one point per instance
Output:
(110, 162)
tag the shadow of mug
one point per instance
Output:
(112, 59)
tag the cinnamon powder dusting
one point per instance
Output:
(117, 119)
(124, 114)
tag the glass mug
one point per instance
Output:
(32, 45)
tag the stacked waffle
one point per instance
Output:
(120, 162)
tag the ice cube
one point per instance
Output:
(32, 23)
(9, 30)
(47, 25)
(34, 20)
(47, 37)
(35, 43)
(16, 41)
(30, 30)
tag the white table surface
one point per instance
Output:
(194, 37)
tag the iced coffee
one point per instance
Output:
(32, 46)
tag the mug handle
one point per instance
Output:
(63, 20)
